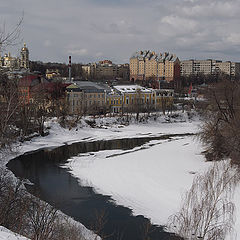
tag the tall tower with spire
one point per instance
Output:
(24, 61)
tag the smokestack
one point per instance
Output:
(69, 69)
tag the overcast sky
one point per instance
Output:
(91, 30)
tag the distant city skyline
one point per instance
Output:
(92, 30)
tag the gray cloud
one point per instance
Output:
(90, 30)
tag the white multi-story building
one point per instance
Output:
(209, 67)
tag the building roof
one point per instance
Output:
(147, 54)
(50, 87)
(91, 87)
(29, 81)
(131, 89)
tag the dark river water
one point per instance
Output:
(59, 188)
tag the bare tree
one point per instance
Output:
(207, 211)
(67, 230)
(9, 105)
(8, 38)
(8, 90)
(13, 203)
(100, 220)
(221, 131)
(42, 218)
(40, 105)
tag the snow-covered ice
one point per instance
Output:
(149, 181)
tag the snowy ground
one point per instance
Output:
(109, 129)
(5, 234)
(149, 181)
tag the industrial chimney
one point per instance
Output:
(69, 69)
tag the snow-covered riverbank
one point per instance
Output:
(149, 181)
(5, 234)
(109, 128)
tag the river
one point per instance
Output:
(59, 188)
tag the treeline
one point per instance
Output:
(208, 210)
(199, 79)
(76, 70)
(18, 116)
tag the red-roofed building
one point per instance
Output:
(48, 94)
(25, 84)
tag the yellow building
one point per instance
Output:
(163, 98)
(52, 73)
(86, 97)
(114, 102)
(146, 65)
(135, 97)
(10, 62)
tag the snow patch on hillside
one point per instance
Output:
(6, 234)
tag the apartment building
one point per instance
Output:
(105, 69)
(189, 67)
(235, 69)
(89, 70)
(209, 67)
(186, 67)
(146, 65)
(123, 71)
